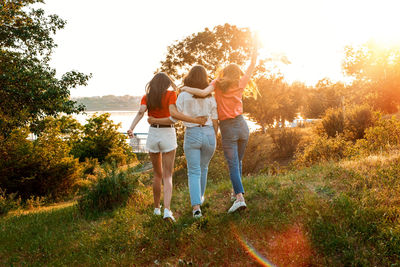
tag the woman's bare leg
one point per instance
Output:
(168, 160)
(156, 160)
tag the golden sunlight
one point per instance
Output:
(313, 34)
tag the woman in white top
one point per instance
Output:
(200, 140)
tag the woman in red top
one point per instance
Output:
(229, 89)
(161, 140)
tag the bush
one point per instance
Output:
(358, 119)
(381, 137)
(110, 191)
(8, 202)
(332, 124)
(258, 153)
(37, 168)
(101, 140)
(352, 125)
(323, 148)
(285, 142)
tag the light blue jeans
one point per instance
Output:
(199, 146)
(235, 135)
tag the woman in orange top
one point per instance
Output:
(229, 88)
(161, 140)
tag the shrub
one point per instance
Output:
(285, 142)
(101, 140)
(110, 191)
(37, 168)
(323, 148)
(258, 153)
(8, 202)
(332, 124)
(358, 119)
(382, 136)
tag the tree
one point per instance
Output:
(100, 139)
(324, 96)
(376, 70)
(29, 88)
(277, 102)
(210, 48)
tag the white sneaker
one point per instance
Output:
(157, 211)
(197, 213)
(237, 205)
(168, 215)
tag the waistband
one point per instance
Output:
(161, 126)
(238, 117)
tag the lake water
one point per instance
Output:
(126, 118)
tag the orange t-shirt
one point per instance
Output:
(229, 103)
(168, 99)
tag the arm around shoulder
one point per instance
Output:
(199, 92)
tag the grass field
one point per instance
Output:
(334, 214)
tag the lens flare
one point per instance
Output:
(254, 254)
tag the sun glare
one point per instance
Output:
(312, 35)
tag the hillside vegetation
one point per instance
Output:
(332, 214)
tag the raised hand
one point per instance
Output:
(130, 133)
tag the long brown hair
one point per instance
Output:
(197, 78)
(156, 89)
(230, 76)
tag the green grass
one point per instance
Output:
(334, 214)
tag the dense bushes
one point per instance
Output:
(377, 135)
(352, 124)
(322, 148)
(110, 190)
(285, 142)
(42, 167)
(101, 140)
(47, 167)
(332, 124)
(8, 202)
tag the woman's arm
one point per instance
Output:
(199, 92)
(215, 125)
(136, 120)
(180, 116)
(252, 65)
(163, 121)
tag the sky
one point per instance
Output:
(122, 42)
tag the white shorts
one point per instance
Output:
(161, 140)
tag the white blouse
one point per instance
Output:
(196, 107)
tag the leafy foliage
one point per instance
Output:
(210, 48)
(29, 88)
(376, 70)
(322, 149)
(285, 142)
(333, 123)
(101, 140)
(326, 95)
(37, 168)
(110, 191)
(8, 202)
(277, 102)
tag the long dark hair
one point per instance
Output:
(197, 78)
(156, 89)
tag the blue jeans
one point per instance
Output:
(235, 135)
(199, 147)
